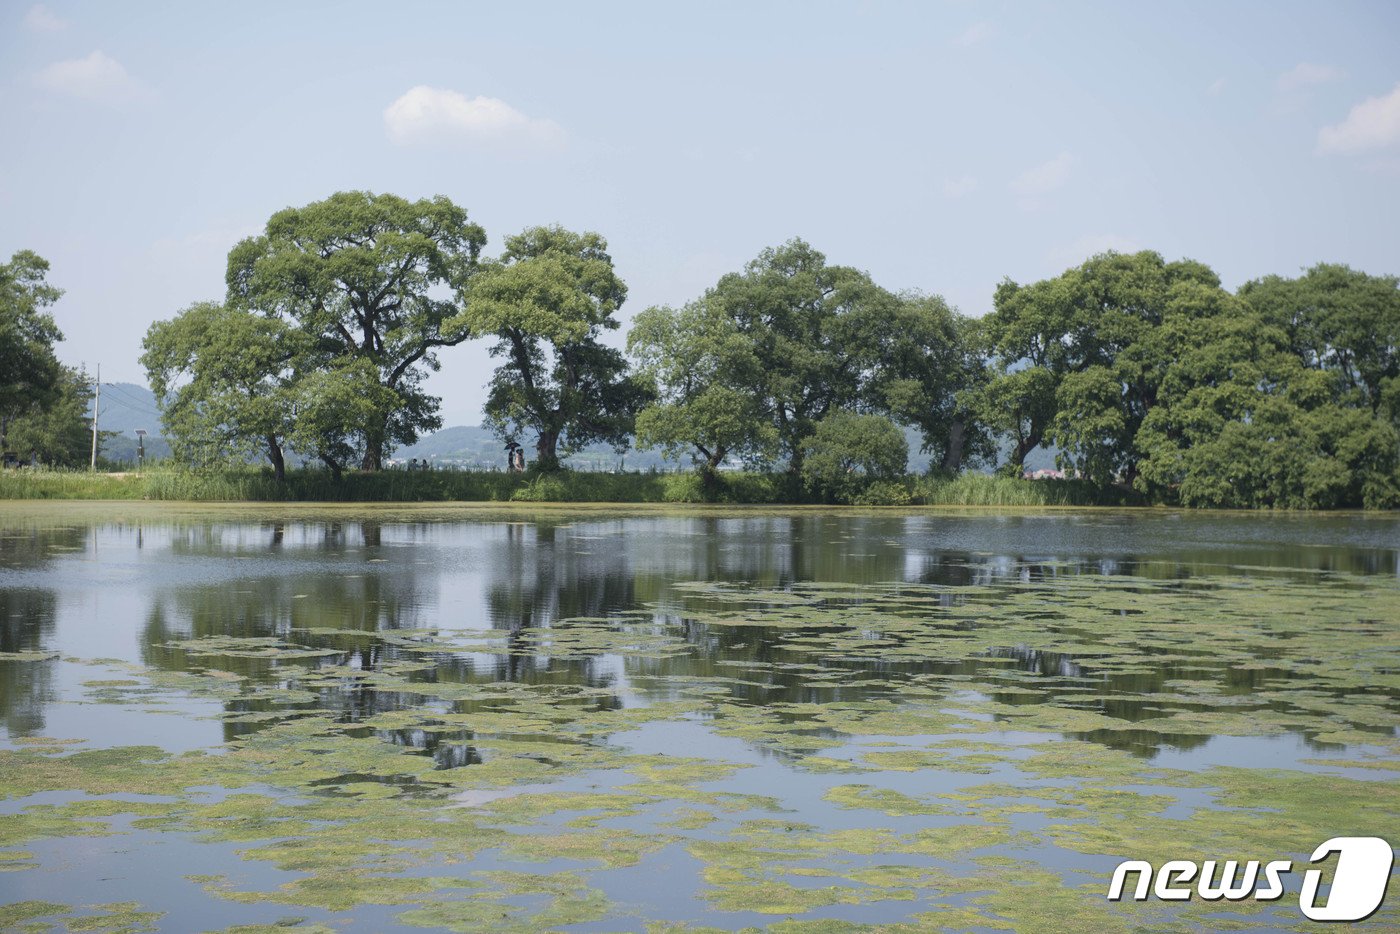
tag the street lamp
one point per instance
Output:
(140, 448)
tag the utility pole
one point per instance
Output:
(96, 398)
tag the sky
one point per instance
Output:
(939, 146)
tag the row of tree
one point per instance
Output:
(334, 316)
(1134, 370)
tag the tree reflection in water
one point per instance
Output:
(27, 620)
(333, 584)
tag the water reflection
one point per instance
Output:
(330, 584)
(28, 615)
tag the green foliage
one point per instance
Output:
(357, 276)
(704, 372)
(1090, 339)
(884, 493)
(847, 451)
(749, 369)
(547, 301)
(1280, 402)
(58, 434)
(1339, 320)
(1016, 404)
(927, 370)
(814, 333)
(1149, 374)
(30, 375)
(222, 377)
(338, 409)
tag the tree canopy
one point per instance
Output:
(1138, 372)
(703, 371)
(365, 277)
(812, 330)
(31, 377)
(1150, 374)
(222, 377)
(547, 300)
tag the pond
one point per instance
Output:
(378, 718)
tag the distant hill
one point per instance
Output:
(123, 408)
(126, 407)
(476, 447)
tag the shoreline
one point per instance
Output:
(295, 509)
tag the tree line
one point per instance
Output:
(1138, 372)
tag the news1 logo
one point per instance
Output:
(1358, 884)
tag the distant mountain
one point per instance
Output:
(123, 408)
(475, 446)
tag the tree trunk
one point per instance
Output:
(957, 439)
(331, 464)
(546, 451)
(374, 452)
(1024, 447)
(274, 454)
(795, 461)
(709, 474)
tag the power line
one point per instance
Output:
(133, 406)
(127, 398)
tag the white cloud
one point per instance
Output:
(975, 34)
(425, 115)
(1044, 178)
(41, 19)
(1372, 124)
(1306, 75)
(959, 187)
(99, 77)
(1216, 87)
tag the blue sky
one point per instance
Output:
(938, 146)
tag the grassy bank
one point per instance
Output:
(565, 487)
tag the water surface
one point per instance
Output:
(591, 719)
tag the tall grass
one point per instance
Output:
(975, 489)
(252, 485)
(66, 484)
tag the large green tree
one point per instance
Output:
(1079, 356)
(365, 277)
(31, 377)
(813, 330)
(547, 300)
(59, 433)
(223, 378)
(1339, 320)
(1241, 421)
(704, 373)
(335, 409)
(926, 369)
